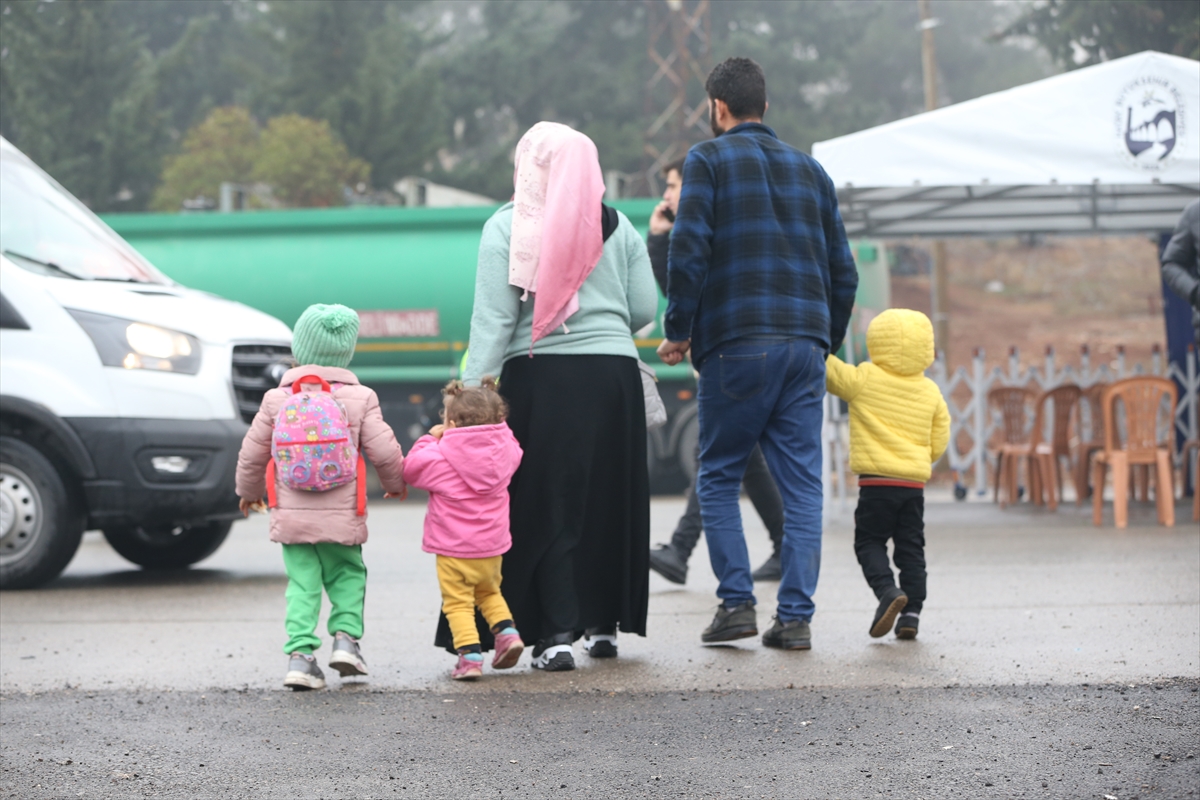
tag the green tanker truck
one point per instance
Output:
(410, 273)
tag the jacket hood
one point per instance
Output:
(900, 341)
(329, 374)
(484, 456)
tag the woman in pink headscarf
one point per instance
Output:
(563, 281)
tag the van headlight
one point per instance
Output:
(139, 345)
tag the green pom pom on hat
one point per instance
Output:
(325, 335)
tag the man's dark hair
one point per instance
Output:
(673, 166)
(741, 85)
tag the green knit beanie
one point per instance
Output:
(325, 336)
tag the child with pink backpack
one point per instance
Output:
(304, 452)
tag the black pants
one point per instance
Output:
(764, 494)
(896, 513)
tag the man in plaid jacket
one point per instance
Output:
(761, 283)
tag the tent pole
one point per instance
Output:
(940, 282)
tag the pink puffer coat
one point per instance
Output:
(466, 474)
(309, 517)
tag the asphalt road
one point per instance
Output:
(1055, 660)
(1004, 742)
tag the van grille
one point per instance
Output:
(252, 373)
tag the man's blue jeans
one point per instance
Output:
(768, 392)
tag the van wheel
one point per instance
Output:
(167, 546)
(40, 526)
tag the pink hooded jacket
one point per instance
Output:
(332, 516)
(466, 474)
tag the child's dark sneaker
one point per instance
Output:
(794, 634)
(600, 642)
(906, 626)
(469, 667)
(303, 673)
(508, 649)
(731, 623)
(347, 656)
(667, 561)
(554, 654)
(890, 604)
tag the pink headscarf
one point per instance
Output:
(556, 238)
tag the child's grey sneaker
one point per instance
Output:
(890, 604)
(794, 634)
(906, 626)
(303, 673)
(731, 623)
(347, 656)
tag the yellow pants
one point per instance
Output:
(466, 583)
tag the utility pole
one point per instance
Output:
(940, 282)
(675, 99)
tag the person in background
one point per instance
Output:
(899, 426)
(562, 284)
(761, 283)
(465, 464)
(322, 527)
(671, 560)
(1181, 262)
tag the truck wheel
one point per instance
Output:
(687, 449)
(40, 526)
(167, 546)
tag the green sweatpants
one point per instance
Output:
(340, 570)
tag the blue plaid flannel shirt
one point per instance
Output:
(758, 247)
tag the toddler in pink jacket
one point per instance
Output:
(466, 464)
(322, 531)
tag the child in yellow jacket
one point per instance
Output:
(899, 426)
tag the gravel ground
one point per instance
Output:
(1066, 741)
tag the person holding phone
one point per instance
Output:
(671, 560)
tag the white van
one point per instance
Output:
(123, 395)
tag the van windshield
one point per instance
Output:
(46, 230)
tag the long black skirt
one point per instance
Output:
(580, 501)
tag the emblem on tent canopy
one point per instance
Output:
(1148, 118)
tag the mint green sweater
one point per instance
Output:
(619, 297)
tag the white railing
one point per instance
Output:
(971, 421)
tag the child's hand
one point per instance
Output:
(402, 494)
(246, 506)
(437, 430)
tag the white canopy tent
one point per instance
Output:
(1109, 149)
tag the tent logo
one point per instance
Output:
(1147, 118)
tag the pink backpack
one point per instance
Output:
(312, 447)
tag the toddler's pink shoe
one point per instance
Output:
(508, 649)
(469, 667)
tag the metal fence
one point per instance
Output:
(972, 422)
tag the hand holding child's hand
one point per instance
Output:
(400, 495)
(437, 430)
(246, 506)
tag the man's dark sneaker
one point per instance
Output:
(906, 626)
(731, 623)
(771, 570)
(668, 562)
(554, 654)
(601, 642)
(891, 603)
(347, 656)
(791, 635)
(303, 673)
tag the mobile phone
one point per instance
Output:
(669, 214)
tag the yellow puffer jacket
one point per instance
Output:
(899, 423)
